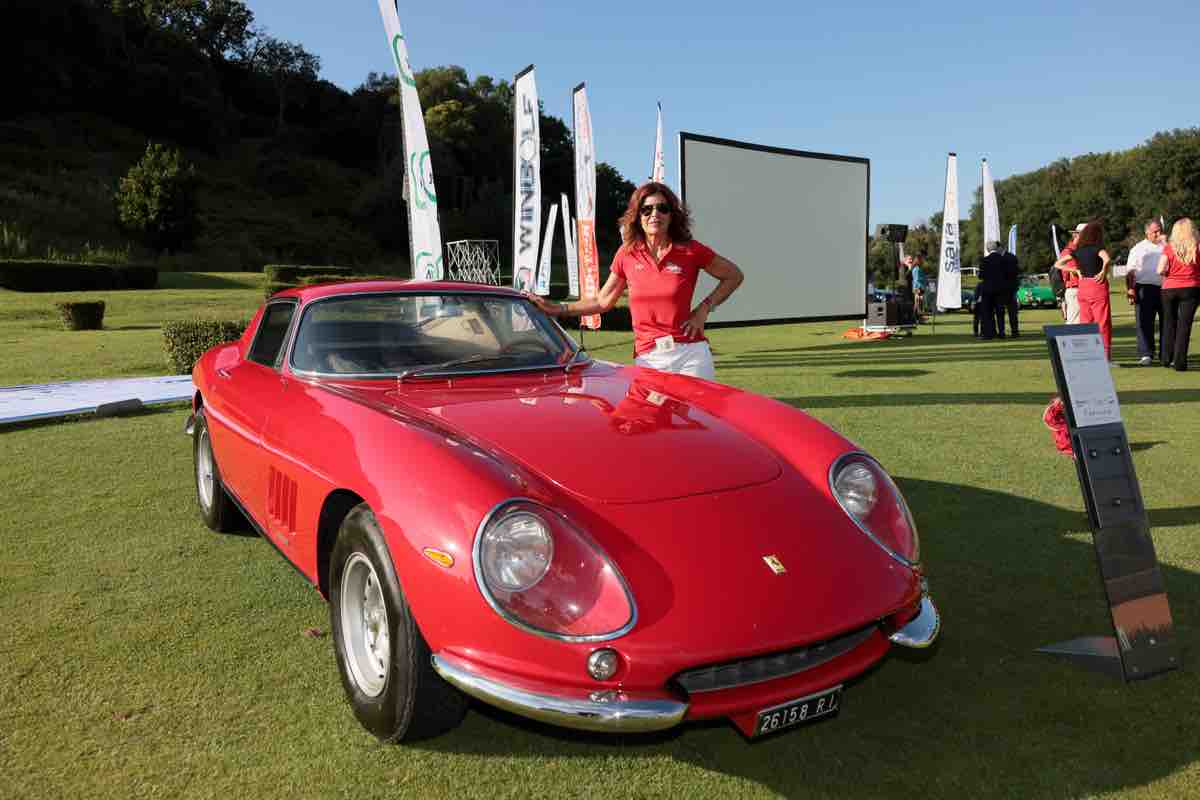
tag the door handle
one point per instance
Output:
(224, 373)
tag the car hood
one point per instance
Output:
(605, 434)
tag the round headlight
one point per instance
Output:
(856, 488)
(516, 552)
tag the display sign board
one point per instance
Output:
(1144, 643)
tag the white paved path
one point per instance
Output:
(38, 401)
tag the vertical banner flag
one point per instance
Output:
(424, 233)
(1012, 240)
(1162, 226)
(949, 285)
(991, 214)
(543, 273)
(585, 201)
(658, 170)
(527, 180)
(572, 256)
(1054, 240)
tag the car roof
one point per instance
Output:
(306, 293)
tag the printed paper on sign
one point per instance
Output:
(1089, 379)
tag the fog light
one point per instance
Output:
(602, 664)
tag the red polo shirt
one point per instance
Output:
(1070, 279)
(660, 292)
(1180, 274)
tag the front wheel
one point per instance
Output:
(385, 664)
(216, 509)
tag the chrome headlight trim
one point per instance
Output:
(859, 455)
(481, 584)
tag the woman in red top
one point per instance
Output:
(1088, 255)
(1180, 292)
(660, 262)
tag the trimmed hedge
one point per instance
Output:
(57, 276)
(294, 273)
(186, 340)
(82, 315)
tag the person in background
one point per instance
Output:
(918, 286)
(660, 261)
(1179, 266)
(1070, 279)
(1144, 285)
(1012, 280)
(1086, 255)
(989, 293)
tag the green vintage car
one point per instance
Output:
(1035, 291)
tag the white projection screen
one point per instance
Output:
(795, 222)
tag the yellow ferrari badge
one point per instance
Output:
(775, 564)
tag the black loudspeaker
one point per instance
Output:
(891, 233)
(890, 314)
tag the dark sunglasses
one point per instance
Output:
(663, 208)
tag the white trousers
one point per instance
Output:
(1071, 301)
(691, 358)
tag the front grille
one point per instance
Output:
(769, 667)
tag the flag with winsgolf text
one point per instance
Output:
(543, 275)
(949, 285)
(424, 233)
(527, 180)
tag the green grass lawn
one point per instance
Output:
(143, 656)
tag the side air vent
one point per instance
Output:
(281, 501)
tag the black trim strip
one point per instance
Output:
(518, 76)
(263, 535)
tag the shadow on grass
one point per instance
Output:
(133, 327)
(1130, 397)
(198, 280)
(981, 715)
(882, 373)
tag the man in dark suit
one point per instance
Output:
(990, 293)
(1012, 279)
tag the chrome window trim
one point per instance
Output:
(516, 622)
(567, 341)
(288, 334)
(833, 471)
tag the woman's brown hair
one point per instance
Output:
(1092, 234)
(680, 227)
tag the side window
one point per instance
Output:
(272, 332)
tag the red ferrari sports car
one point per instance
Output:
(492, 513)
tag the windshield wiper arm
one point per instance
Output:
(575, 359)
(454, 362)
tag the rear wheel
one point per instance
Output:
(385, 664)
(216, 509)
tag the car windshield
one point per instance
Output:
(398, 334)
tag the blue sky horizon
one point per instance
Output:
(1022, 86)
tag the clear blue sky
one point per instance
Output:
(900, 84)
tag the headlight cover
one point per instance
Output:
(872, 500)
(544, 575)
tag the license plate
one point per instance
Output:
(797, 712)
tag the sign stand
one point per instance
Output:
(1144, 642)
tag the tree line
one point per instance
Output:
(203, 76)
(1123, 190)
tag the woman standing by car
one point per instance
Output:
(1089, 257)
(660, 263)
(1180, 292)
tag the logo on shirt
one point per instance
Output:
(674, 269)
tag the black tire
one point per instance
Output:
(216, 509)
(391, 685)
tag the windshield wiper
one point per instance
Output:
(454, 362)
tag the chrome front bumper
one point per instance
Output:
(922, 630)
(607, 711)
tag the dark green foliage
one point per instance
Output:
(185, 341)
(51, 276)
(313, 280)
(82, 315)
(618, 319)
(48, 276)
(135, 276)
(156, 200)
(294, 273)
